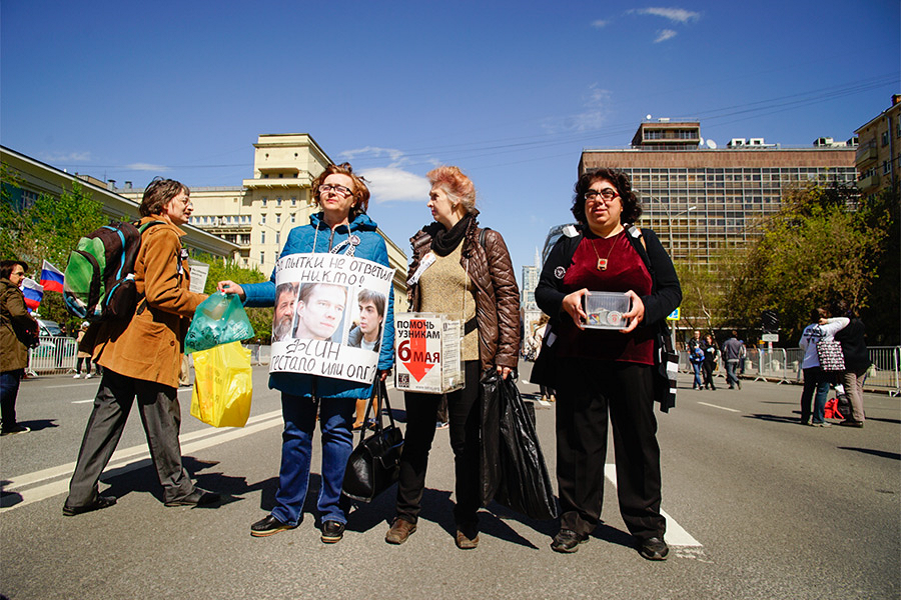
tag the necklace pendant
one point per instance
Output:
(602, 264)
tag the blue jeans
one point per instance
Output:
(731, 368)
(815, 381)
(698, 383)
(335, 421)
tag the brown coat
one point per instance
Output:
(497, 295)
(149, 346)
(13, 315)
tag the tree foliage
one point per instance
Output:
(817, 249)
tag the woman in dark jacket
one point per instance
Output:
(598, 370)
(857, 361)
(455, 273)
(711, 357)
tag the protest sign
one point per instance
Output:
(428, 354)
(329, 315)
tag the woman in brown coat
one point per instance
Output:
(141, 358)
(14, 324)
(464, 272)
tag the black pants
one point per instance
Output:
(161, 417)
(707, 369)
(9, 390)
(464, 413)
(586, 390)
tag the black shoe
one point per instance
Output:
(269, 526)
(14, 429)
(851, 423)
(738, 383)
(567, 541)
(653, 548)
(198, 497)
(332, 532)
(100, 503)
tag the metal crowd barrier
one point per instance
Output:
(259, 354)
(784, 366)
(53, 355)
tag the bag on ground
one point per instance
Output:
(220, 319)
(375, 463)
(223, 385)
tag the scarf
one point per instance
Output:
(446, 240)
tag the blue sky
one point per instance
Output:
(511, 92)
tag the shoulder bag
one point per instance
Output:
(830, 354)
(375, 463)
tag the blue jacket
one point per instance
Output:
(301, 240)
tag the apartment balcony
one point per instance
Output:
(302, 179)
(868, 182)
(865, 155)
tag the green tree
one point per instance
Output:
(816, 249)
(220, 269)
(46, 229)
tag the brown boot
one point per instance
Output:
(400, 530)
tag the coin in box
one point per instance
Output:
(605, 310)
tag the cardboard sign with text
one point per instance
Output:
(428, 355)
(329, 315)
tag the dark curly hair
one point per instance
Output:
(630, 201)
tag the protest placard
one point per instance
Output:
(428, 357)
(329, 315)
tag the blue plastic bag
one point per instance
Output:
(220, 319)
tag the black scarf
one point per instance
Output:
(446, 240)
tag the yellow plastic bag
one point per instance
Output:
(222, 385)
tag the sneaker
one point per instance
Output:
(332, 532)
(269, 526)
(823, 424)
(88, 376)
(76, 376)
(567, 541)
(442, 425)
(653, 548)
(15, 429)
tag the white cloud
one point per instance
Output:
(599, 23)
(396, 156)
(66, 158)
(390, 183)
(665, 35)
(678, 15)
(593, 117)
(146, 167)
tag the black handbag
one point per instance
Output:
(666, 368)
(375, 463)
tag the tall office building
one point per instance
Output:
(879, 150)
(701, 199)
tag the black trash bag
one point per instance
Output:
(490, 463)
(524, 483)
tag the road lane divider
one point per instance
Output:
(675, 533)
(719, 407)
(125, 460)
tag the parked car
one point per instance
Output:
(50, 328)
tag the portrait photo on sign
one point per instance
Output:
(329, 315)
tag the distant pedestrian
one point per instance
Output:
(711, 357)
(547, 393)
(17, 330)
(82, 356)
(857, 361)
(733, 351)
(816, 381)
(696, 360)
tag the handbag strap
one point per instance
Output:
(380, 395)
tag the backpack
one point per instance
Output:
(99, 282)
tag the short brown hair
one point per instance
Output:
(159, 193)
(7, 266)
(360, 191)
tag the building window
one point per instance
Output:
(278, 236)
(263, 200)
(262, 219)
(278, 201)
(262, 257)
(278, 218)
(262, 237)
(885, 138)
(886, 167)
(293, 217)
(294, 200)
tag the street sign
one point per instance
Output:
(674, 316)
(770, 337)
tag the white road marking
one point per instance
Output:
(180, 390)
(675, 533)
(130, 459)
(719, 407)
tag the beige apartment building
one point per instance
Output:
(701, 199)
(879, 151)
(258, 214)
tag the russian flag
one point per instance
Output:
(51, 278)
(33, 292)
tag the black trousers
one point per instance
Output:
(161, 417)
(464, 413)
(586, 391)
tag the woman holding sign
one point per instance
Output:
(341, 229)
(597, 371)
(464, 272)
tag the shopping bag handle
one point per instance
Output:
(380, 394)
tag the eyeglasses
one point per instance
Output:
(338, 189)
(608, 194)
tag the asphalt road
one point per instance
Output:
(758, 507)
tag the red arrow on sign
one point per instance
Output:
(418, 368)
